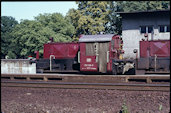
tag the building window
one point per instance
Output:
(168, 29)
(146, 29)
(150, 29)
(164, 28)
(143, 29)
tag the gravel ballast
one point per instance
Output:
(46, 100)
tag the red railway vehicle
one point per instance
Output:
(103, 53)
(154, 56)
(59, 56)
(97, 52)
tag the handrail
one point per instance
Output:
(51, 61)
(107, 56)
(78, 56)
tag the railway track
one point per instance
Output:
(72, 85)
(88, 78)
(138, 83)
(131, 82)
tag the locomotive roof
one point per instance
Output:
(96, 38)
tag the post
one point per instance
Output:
(136, 59)
(155, 62)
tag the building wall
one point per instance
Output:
(131, 29)
(17, 66)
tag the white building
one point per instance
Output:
(136, 24)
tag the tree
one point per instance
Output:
(130, 6)
(113, 25)
(26, 38)
(90, 17)
(58, 24)
(7, 25)
(72, 16)
(30, 35)
(114, 19)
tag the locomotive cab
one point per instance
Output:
(97, 52)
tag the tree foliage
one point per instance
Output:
(7, 25)
(113, 25)
(57, 23)
(89, 18)
(130, 6)
(30, 35)
(73, 16)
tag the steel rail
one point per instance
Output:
(72, 85)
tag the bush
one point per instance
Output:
(124, 108)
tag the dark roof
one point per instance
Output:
(135, 12)
(96, 38)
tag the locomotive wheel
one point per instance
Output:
(130, 72)
(114, 71)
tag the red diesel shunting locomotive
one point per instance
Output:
(103, 53)
(97, 52)
(59, 56)
(154, 56)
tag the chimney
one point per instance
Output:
(51, 39)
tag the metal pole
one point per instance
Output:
(155, 62)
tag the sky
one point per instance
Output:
(29, 10)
